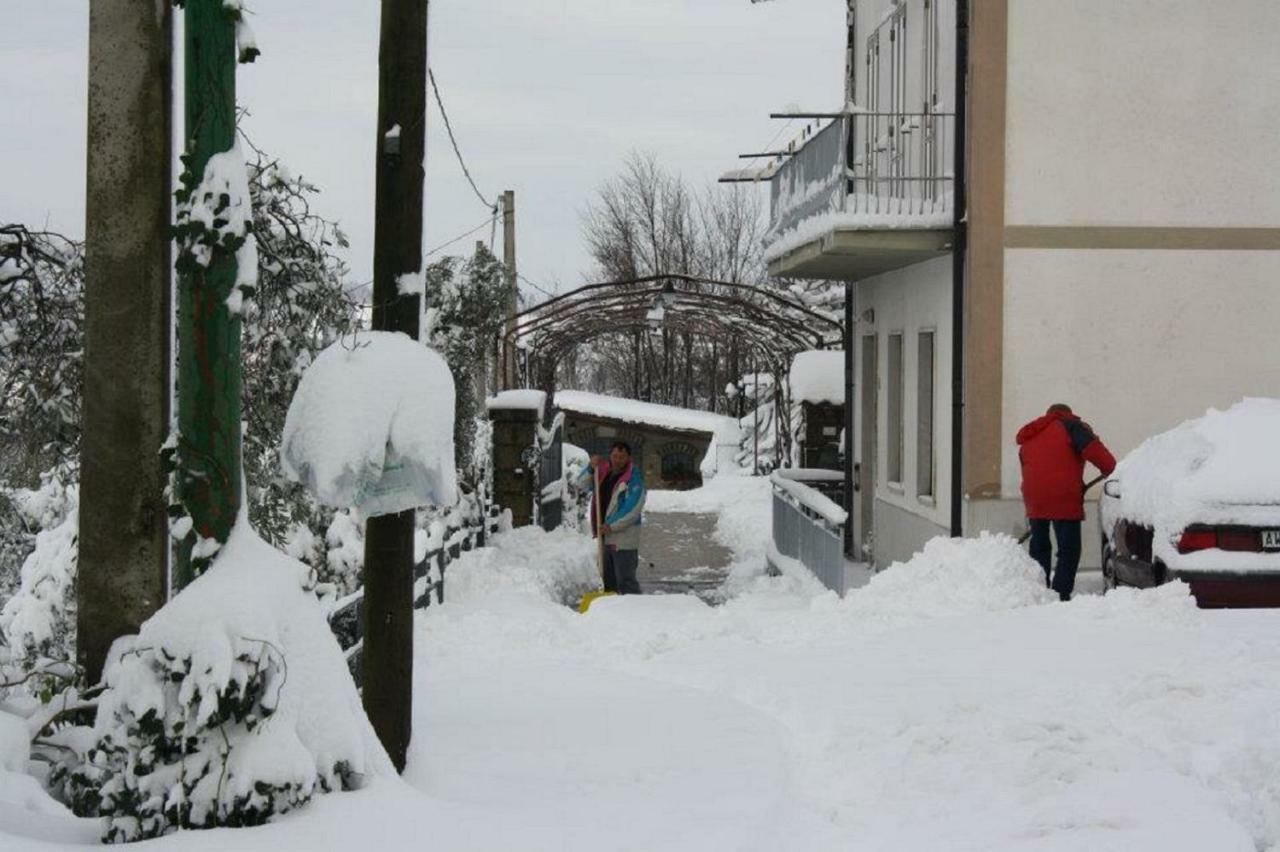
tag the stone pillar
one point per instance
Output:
(515, 475)
(123, 568)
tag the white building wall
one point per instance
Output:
(1147, 114)
(910, 300)
(872, 13)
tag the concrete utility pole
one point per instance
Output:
(209, 371)
(509, 261)
(124, 553)
(397, 250)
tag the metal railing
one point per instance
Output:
(874, 164)
(806, 536)
(346, 618)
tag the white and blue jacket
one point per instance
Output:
(625, 509)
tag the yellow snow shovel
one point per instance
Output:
(590, 597)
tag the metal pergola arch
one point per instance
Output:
(770, 326)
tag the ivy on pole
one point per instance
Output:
(217, 266)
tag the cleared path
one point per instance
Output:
(680, 555)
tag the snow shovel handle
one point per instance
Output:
(598, 499)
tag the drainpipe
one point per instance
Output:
(959, 250)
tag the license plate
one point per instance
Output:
(1271, 539)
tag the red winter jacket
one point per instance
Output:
(1053, 450)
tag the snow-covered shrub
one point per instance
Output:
(233, 704)
(344, 551)
(38, 622)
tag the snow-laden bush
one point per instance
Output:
(233, 704)
(38, 622)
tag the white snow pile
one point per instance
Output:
(371, 425)
(233, 704)
(558, 566)
(818, 376)
(1223, 467)
(953, 577)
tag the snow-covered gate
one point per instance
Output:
(346, 618)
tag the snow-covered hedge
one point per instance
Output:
(233, 704)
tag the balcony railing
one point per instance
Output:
(868, 170)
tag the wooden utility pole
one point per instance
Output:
(509, 262)
(124, 552)
(209, 370)
(397, 250)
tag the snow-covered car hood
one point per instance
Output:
(1222, 468)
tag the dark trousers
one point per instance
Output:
(620, 571)
(1067, 534)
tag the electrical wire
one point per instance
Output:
(536, 286)
(492, 205)
(445, 245)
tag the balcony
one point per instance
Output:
(868, 193)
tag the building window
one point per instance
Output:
(895, 408)
(924, 415)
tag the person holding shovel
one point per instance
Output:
(617, 503)
(1053, 449)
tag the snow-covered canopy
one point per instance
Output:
(724, 430)
(371, 425)
(518, 400)
(818, 376)
(1223, 467)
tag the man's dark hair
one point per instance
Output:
(621, 445)
(1060, 408)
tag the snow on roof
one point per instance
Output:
(816, 227)
(818, 376)
(1220, 468)
(725, 429)
(381, 403)
(518, 400)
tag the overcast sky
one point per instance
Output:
(546, 97)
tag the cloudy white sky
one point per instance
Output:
(546, 96)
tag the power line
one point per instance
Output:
(448, 127)
(445, 245)
(535, 286)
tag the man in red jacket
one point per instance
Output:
(1053, 450)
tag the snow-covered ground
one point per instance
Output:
(945, 706)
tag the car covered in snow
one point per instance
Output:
(1200, 503)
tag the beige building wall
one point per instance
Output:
(1142, 213)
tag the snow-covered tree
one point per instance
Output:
(468, 306)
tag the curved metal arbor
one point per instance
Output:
(771, 326)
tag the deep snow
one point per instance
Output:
(943, 706)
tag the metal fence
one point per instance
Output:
(802, 534)
(346, 619)
(894, 164)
